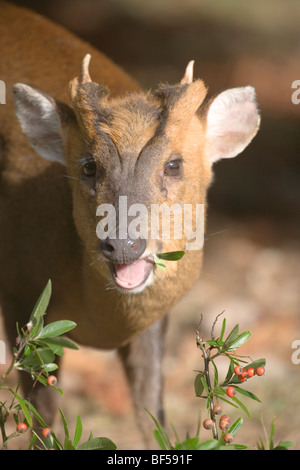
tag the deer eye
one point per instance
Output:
(173, 167)
(89, 168)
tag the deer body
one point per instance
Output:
(99, 142)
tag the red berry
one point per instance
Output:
(22, 427)
(242, 378)
(217, 409)
(46, 432)
(237, 370)
(52, 380)
(230, 391)
(250, 371)
(228, 438)
(260, 371)
(208, 423)
(224, 424)
(224, 418)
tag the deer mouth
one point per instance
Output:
(132, 277)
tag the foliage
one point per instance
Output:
(34, 353)
(269, 440)
(38, 344)
(160, 258)
(212, 389)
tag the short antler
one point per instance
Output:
(189, 73)
(85, 75)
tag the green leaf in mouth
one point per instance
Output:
(170, 256)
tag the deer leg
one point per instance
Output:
(142, 361)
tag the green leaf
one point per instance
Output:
(236, 426)
(159, 263)
(97, 443)
(68, 444)
(37, 328)
(220, 393)
(223, 329)
(159, 439)
(189, 444)
(241, 339)
(230, 371)
(204, 383)
(38, 358)
(90, 436)
(257, 363)
(59, 390)
(198, 385)
(161, 431)
(175, 434)
(246, 393)
(241, 405)
(56, 328)
(233, 446)
(42, 303)
(35, 413)
(55, 348)
(51, 366)
(271, 442)
(216, 374)
(41, 378)
(210, 444)
(213, 342)
(24, 406)
(231, 337)
(33, 440)
(78, 431)
(65, 424)
(208, 402)
(171, 255)
(28, 350)
(227, 401)
(260, 445)
(283, 445)
(57, 343)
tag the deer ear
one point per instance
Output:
(231, 123)
(39, 117)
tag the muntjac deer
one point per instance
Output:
(91, 145)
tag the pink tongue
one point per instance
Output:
(132, 275)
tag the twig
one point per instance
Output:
(2, 427)
(207, 359)
(214, 324)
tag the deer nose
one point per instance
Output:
(123, 251)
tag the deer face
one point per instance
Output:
(135, 162)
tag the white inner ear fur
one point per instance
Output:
(232, 122)
(39, 120)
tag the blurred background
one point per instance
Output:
(252, 253)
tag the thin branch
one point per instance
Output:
(207, 359)
(214, 324)
(2, 427)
